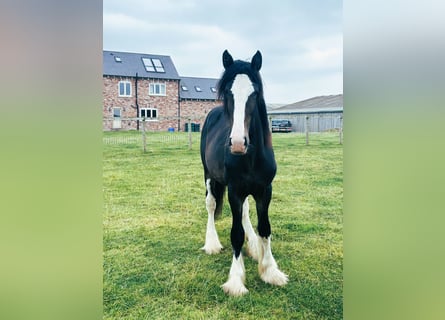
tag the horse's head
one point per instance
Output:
(241, 89)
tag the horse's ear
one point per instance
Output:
(257, 60)
(227, 59)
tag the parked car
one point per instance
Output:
(281, 125)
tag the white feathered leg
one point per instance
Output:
(237, 276)
(212, 244)
(267, 266)
(252, 238)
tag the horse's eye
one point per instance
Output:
(253, 96)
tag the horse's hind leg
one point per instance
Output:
(213, 199)
(252, 239)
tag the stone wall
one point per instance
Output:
(196, 110)
(167, 106)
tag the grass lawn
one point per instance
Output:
(155, 222)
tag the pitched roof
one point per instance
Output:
(198, 88)
(331, 103)
(127, 64)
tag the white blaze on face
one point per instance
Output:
(241, 89)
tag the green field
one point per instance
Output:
(155, 219)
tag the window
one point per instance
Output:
(158, 65)
(150, 113)
(117, 59)
(157, 89)
(124, 89)
(198, 89)
(184, 88)
(148, 64)
(153, 65)
(116, 113)
(213, 89)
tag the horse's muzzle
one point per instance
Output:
(238, 147)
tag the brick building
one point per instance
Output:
(197, 97)
(148, 86)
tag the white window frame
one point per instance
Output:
(152, 89)
(150, 110)
(124, 83)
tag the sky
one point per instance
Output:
(301, 41)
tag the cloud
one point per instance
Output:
(301, 43)
(326, 52)
(299, 88)
(317, 53)
(189, 44)
(120, 22)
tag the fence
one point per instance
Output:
(145, 137)
(316, 122)
(135, 137)
(164, 123)
(338, 127)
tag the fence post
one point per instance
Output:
(190, 133)
(341, 130)
(144, 136)
(306, 128)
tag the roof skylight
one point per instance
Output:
(198, 88)
(158, 65)
(153, 65)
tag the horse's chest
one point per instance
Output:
(249, 177)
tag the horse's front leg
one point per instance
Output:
(237, 275)
(267, 266)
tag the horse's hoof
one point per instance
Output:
(273, 275)
(234, 288)
(212, 250)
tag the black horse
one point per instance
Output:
(236, 151)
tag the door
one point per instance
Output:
(117, 122)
